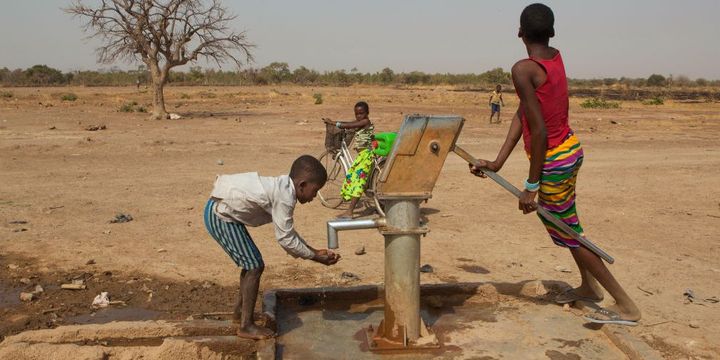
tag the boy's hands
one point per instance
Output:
(326, 257)
(526, 202)
(476, 169)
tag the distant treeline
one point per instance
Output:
(280, 73)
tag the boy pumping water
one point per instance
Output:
(555, 157)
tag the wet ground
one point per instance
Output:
(477, 327)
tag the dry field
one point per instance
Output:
(649, 194)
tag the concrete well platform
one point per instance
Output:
(472, 321)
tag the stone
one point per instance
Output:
(427, 268)
(220, 162)
(346, 275)
(533, 289)
(26, 296)
(360, 251)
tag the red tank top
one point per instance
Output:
(554, 103)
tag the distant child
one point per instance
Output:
(555, 157)
(359, 173)
(247, 199)
(495, 101)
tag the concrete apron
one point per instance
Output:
(471, 320)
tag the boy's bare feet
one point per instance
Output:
(255, 332)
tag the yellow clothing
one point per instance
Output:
(495, 97)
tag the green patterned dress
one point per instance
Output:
(357, 176)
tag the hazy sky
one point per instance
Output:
(609, 38)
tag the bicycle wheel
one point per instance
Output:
(375, 178)
(330, 193)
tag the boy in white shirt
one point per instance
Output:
(247, 199)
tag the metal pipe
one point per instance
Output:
(402, 271)
(334, 226)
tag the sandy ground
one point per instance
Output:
(648, 193)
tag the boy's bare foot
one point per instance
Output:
(255, 332)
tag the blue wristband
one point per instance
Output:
(337, 125)
(532, 186)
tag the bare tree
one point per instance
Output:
(162, 34)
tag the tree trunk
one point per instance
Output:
(158, 85)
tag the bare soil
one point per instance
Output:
(648, 193)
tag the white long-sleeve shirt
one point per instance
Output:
(258, 200)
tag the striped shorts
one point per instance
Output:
(234, 238)
(557, 189)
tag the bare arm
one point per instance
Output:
(527, 75)
(512, 138)
(523, 74)
(356, 124)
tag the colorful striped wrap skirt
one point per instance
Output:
(557, 189)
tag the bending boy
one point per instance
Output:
(247, 199)
(555, 157)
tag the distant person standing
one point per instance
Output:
(496, 101)
(137, 83)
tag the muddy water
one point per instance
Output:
(9, 296)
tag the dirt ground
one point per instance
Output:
(648, 193)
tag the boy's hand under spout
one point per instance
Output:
(326, 257)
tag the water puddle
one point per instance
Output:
(9, 296)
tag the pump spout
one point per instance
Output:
(334, 226)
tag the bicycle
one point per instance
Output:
(337, 159)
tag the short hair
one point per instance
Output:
(363, 105)
(537, 22)
(308, 168)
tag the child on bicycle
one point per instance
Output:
(247, 199)
(359, 173)
(555, 157)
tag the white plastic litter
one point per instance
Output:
(101, 300)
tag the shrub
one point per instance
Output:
(597, 103)
(653, 101)
(68, 97)
(207, 95)
(318, 98)
(128, 107)
(656, 80)
(184, 96)
(6, 95)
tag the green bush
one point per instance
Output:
(597, 103)
(68, 97)
(6, 94)
(318, 98)
(184, 96)
(653, 101)
(128, 107)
